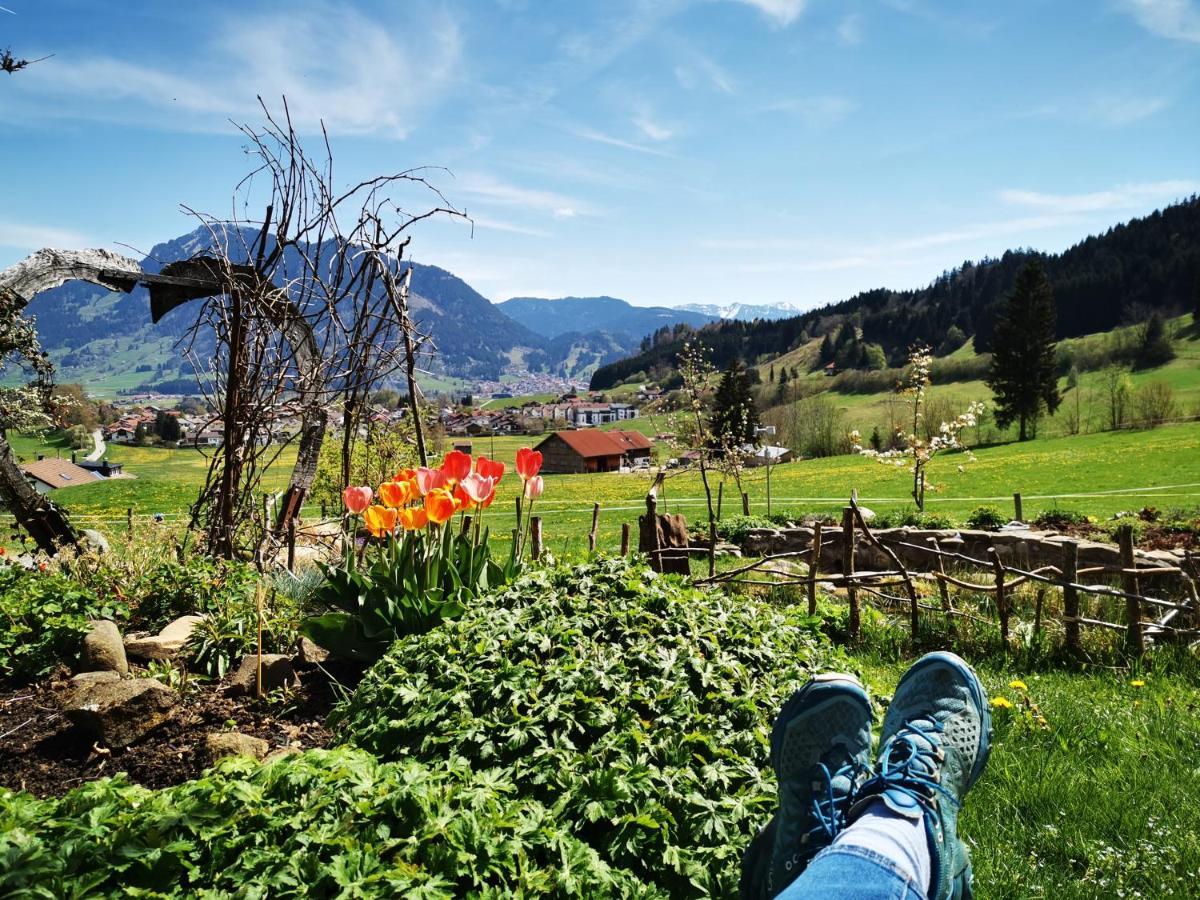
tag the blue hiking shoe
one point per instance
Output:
(820, 750)
(934, 744)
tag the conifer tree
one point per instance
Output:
(1023, 374)
(734, 416)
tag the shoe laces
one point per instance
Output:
(828, 809)
(911, 764)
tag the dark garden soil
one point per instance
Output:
(43, 753)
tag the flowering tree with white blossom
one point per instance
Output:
(913, 451)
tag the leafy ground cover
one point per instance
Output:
(636, 709)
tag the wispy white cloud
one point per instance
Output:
(599, 137)
(491, 190)
(1125, 110)
(850, 30)
(1125, 196)
(653, 128)
(332, 63)
(1177, 20)
(30, 236)
(492, 224)
(943, 17)
(702, 69)
(780, 12)
(816, 112)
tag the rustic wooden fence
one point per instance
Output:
(1145, 618)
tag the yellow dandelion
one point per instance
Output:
(1018, 685)
(1137, 682)
(1001, 703)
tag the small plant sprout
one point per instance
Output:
(913, 450)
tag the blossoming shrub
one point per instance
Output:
(318, 824)
(635, 708)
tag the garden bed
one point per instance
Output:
(45, 754)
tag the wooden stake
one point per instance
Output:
(129, 521)
(1070, 574)
(1037, 614)
(745, 504)
(1129, 583)
(1017, 507)
(595, 526)
(291, 544)
(535, 536)
(813, 564)
(943, 586)
(720, 497)
(1001, 599)
(624, 538)
(848, 569)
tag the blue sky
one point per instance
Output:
(665, 152)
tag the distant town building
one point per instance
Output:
(47, 475)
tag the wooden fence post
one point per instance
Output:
(291, 544)
(624, 538)
(595, 526)
(814, 563)
(324, 511)
(943, 587)
(720, 497)
(1070, 574)
(648, 537)
(535, 536)
(1001, 599)
(1017, 506)
(466, 525)
(848, 569)
(1129, 584)
(745, 504)
(129, 521)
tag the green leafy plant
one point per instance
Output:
(987, 517)
(229, 630)
(43, 619)
(321, 824)
(1059, 518)
(911, 518)
(633, 706)
(200, 584)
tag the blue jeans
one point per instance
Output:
(851, 873)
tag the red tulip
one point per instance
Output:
(357, 498)
(529, 462)
(430, 479)
(456, 465)
(489, 468)
(534, 487)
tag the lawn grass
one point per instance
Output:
(1098, 802)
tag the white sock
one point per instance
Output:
(900, 839)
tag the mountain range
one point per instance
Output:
(1118, 277)
(99, 337)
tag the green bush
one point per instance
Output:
(735, 528)
(318, 824)
(911, 518)
(201, 584)
(43, 618)
(1059, 518)
(635, 708)
(986, 517)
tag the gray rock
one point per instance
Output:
(84, 679)
(277, 672)
(309, 652)
(167, 643)
(867, 514)
(122, 712)
(103, 650)
(94, 540)
(221, 744)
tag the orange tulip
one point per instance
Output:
(395, 493)
(405, 475)
(489, 468)
(356, 498)
(440, 505)
(380, 520)
(413, 519)
(529, 462)
(456, 465)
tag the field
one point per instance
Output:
(1097, 474)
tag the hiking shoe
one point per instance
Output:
(820, 750)
(934, 744)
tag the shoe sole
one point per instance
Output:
(978, 697)
(838, 685)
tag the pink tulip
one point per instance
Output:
(357, 498)
(478, 488)
(430, 479)
(534, 487)
(456, 465)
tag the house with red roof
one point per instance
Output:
(589, 450)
